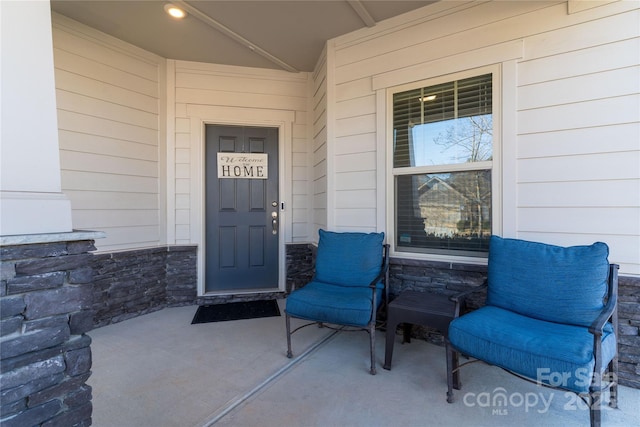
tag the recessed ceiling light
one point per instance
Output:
(174, 11)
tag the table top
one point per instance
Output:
(425, 302)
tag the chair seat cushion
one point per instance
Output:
(329, 303)
(555, 354)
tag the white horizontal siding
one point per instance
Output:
(440, 20)
(362, 199)
(365, 180)
(354, 89)
(105, 91)
(574, 32)
(355, 152)
(599, 112)
(104, 145)
(591, 167)
(98, 163)
(586, 220)
(617, 193)
(359, 106)
(109, 129)
(114, 184)
(482, 25)
(250, 84)
(119, 238)
(112, 218)
(355, 144)
(104, 201)
(102, 49)
(319, 187)
(575, 146)
(79, 122)
(579, 143)
(364, 218)
(301, 182)
(355, 125)
(355, 162)
(231, 99)
(606, 84)
(599, 58)
(589, 140)
(89, 106)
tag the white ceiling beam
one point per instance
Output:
(362, 12)
(196, 13)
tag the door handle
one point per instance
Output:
(274, 222)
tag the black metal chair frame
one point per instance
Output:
(594, 397)
(371, 326)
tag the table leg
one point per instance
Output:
(389, 341)
(406, 333)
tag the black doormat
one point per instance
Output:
(236, 311)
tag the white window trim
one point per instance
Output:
(497, 178)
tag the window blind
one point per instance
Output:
(452, 100)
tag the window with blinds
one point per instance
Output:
(442, 163)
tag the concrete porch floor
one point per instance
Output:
(159, 370)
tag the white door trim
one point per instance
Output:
(200, 116)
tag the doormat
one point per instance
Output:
(236, 311)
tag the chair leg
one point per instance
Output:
(612, 373)
(372, 345)
(449, 355)
(594, 410)
(288, 323)
(453, 373)
(455, 361)
(595, 397)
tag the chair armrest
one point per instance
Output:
(379, 277)
(383, 270)
(598, 324)
(612, 301)
(459, 298)
(461, 295)
(377, 280)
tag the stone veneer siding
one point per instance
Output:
(300, 258)
(629, 331)
(45, 302)
(131, 283)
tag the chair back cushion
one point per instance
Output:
(348, 259)
(552, 283)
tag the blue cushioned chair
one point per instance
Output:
(550, 317)
(349, 285)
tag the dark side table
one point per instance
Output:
(416, 308)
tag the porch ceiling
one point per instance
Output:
(282, 34)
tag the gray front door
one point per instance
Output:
(242, 224)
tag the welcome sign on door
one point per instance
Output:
(243, 165)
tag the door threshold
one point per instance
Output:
(236, 292)
(220, 298)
